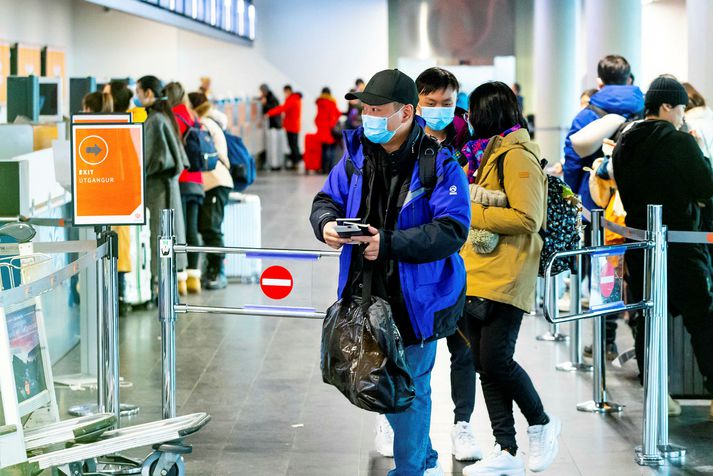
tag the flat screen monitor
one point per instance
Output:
(27, 351)
(50, 99)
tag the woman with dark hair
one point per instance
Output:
(164, 160)
(190, 183)
(270, 101)
(97, 101)
(508, 192)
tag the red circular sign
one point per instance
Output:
(276, 282)
(606, 280)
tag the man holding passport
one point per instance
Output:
(414, 197)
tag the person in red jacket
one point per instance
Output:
(292, 111)
(327, 118)
(191, 183)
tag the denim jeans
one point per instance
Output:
(493, 328)
(413, 453)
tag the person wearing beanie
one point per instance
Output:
(418, 221)
(656, 163)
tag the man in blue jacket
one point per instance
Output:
(616, 95)
(415, 198)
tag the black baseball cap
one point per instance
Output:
(390, 85)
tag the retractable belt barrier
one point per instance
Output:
(168, 305)
(653, 241)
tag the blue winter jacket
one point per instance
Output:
(433, 291)
(627, 101)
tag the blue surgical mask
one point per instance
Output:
(438, 118)
(470, 129)
(376, 128)
(137, 102)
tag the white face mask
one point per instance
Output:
(376, 128)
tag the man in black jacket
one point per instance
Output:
(655, 163)
(418, 222)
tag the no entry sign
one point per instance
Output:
(606, 280)
(276, 282)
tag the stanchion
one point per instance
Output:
(656, 444)
(599, 403)
(108, 379)
(167, 298)
(576, 363)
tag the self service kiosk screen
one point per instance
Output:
(26, 353)
(49, 97)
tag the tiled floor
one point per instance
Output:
(272, 415)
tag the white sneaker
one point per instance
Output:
(543, 444)
(497, 463)
(384, 439)
(464, 447)
(435, 471)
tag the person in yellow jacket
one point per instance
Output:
(508, 208)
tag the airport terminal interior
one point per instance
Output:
(197, 197)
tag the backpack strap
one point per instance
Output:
(597, 110)
(427, 153)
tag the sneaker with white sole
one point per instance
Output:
(384, 439)
(544, 444)
(435, 471)
(463, 444)
(497, 463)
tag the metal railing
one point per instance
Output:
(169, 306)
(103, 254)
(656, 445)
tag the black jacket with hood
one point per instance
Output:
(656, 164)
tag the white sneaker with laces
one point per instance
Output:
(497, 463)
(384, 439)
(544, 444)
(435, 471)
(464, 447)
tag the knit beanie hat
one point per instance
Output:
(666, 90)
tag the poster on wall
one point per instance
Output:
(53, 62)
(26, 60)
(26, 352)
(4, 70)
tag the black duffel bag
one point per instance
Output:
(363, 354)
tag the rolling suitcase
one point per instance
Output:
(138, 281)
(274, 149)
(685, 379)
(241, 227)
(313, 153)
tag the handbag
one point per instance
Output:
(362, 353)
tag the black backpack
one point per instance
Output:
(427, 152)
(564, 219)
(199, 147)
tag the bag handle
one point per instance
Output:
(366, 281)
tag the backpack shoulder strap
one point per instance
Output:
(427, 153)
(501, 160)
(598, 110)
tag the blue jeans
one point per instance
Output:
(413, 453)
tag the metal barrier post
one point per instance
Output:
(668, 450)
(648, 454)
(110, 326)
(600, 403)
(553, 335)
(102, 347)
(576, 363)
(167, 298)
